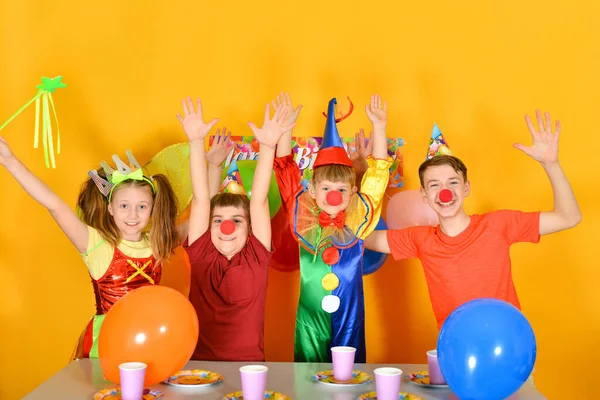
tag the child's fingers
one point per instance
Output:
(363, 144)
(253, 126)
(198, 106)
(288, 127)
(185, 107)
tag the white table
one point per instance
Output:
(82, 378)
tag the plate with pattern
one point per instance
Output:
(194, 378)
(358, 378)
(269, 394)
(401, 396)
(115, 394)
(421, 378)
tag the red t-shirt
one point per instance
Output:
(229, 297)
(471, 265)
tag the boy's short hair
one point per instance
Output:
(230, 200)
(334, 173)
(435, 161)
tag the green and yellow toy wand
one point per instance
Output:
(44, 96)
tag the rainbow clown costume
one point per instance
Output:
(331, 305)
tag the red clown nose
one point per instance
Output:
(334, 198)
(227, 227)
(445, 196)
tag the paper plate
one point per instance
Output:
(194, 378)
(358, 378)
(269, 394)
(421, 378)
(401, 396)
(115, 394)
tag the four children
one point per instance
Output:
(229, 235)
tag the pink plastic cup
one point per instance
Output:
(254, 381)
(343, 362)
(387, 383)
(435, 375)
(132, 380)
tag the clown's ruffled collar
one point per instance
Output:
(309, 220)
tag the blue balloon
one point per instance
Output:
(373, 260)
(486, 350)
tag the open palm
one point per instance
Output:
(545, 143)
(377, 112)
(362, 149)
(272, 129)
(220, 147)
(359, 154)
(286, 101)
(193, 123)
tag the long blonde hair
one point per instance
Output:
(163, 238)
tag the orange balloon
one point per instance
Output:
(155, 325)
(176, 273)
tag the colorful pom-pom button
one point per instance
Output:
(331, 255)
(330, 303)
(330, 281)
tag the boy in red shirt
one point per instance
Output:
(229, 246)
(467, 256)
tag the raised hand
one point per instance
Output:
(5, 153)
(361, 148)
(193, 123)
(220, 147)
(376, 113)
(285, 101)
(268, 135)
(358, 156)
(545, 143)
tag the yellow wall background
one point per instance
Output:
(473, 67)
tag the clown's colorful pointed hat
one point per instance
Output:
(233, 181)
(332, 149)
(437, 145)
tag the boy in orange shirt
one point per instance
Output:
(467, 257)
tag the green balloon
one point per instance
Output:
(246, 169)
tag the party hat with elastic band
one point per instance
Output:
(437, 144)
(233, 181)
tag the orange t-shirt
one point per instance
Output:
(474, 264)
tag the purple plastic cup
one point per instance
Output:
(254, 381)
(435, 375)
(132, 380)
(343, 362)
(387, 383)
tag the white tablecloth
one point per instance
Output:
(81, 379)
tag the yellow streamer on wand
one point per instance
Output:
(43, 99)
